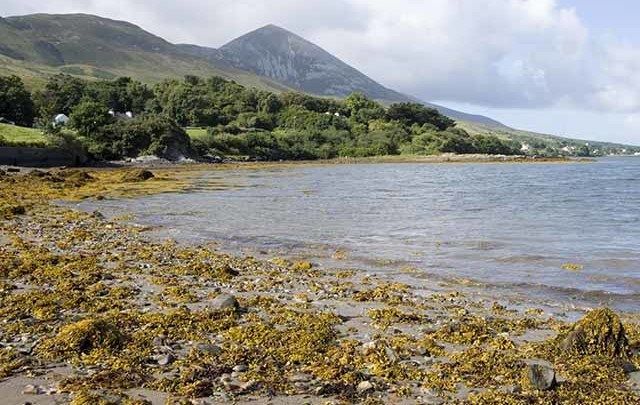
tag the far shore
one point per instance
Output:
(153, 162)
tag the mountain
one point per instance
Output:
(38, 45)
(89, 46)
(281, 55)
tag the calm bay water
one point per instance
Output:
(511, 226)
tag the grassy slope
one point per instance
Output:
(15, 134)
(196, 133)
(532, 137)
(39, 45)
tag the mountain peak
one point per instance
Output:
(284, 56)
(273, 27)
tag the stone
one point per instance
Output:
(240, 368)
(209, 348)
(248, 386)
(31, 390)
(159, 340)
(300, 377)
(391, 355)
(164, 359)
(634, 378)
(540, 377)
(224, 302)
(364, 387)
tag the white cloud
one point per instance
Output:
(500, 53)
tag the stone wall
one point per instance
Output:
(39, 157)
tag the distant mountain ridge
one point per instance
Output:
(270, 57)
(86, 45)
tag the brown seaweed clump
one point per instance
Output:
(599, 333)
(8, 211)
(76, 178)
(76, 339)
(138, 175)
(10, 361)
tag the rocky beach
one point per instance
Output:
(95, 311)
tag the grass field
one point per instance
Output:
(196, 133)
(20, 135)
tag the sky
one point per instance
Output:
(567, 67)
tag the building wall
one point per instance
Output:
(39, 157)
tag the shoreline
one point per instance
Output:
(156, 163)
(97, 309)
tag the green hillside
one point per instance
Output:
(545, 144)
(39, 45)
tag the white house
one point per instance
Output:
(60, 119)
(127, 115)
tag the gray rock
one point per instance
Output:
(541, 377)
(159, 340)
(248, 386)
(391, 355)
(364, 387)
(634, 378)
(31, 390)
(300, 377)
(224, 302)
(209, 348)
(164, 359)
(240, 368)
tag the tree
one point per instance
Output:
(15, 101)
(121, 95)
(59, 96)
(270, 104)
(415, 113)
(584, 151)
(148, 134)
(89, 118)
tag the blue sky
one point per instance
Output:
(617, 18)
(567, 67)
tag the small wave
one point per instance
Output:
(524, 259)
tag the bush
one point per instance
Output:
(414, 113)
(89, 117)
(431, 143)
(153, 135)
(143, 135)
(490, 144)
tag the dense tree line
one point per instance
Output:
(239, 120)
